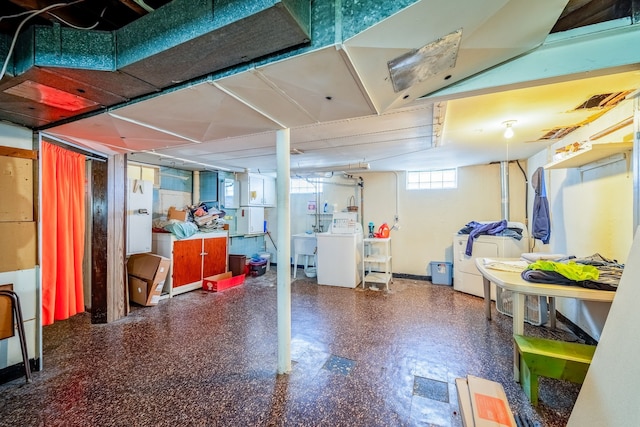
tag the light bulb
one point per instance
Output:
(508, 132)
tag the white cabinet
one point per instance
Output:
(269, 185)
(229, 194)
(377, 261)
(250, 220)
(139, 207)
(257, 190)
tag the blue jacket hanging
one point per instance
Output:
(541, 225)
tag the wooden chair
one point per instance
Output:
(17, 315)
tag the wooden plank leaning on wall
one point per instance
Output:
(18, 236)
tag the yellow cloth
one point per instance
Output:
(570, 270)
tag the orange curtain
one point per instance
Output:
(63, 189)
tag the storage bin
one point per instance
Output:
(220, 282)
(237, 264)
(258, 268)
(441, 273)
(267, 256)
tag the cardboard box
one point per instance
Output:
(7, 326)
(483, 403)
(16, 186)
(150, 267)
(18, 242)
(144, 292)
(176, 214)
(220, 282)
(464, 402)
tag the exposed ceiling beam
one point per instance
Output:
(134, 6)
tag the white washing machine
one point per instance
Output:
(466, 277)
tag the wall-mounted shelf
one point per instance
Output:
(590, 153)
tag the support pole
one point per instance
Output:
(504, 188)
(284, 251)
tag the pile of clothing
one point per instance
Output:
(207, 219)
(499, 228)
(594, 272)
(200, 219)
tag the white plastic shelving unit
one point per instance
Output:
(376, 265)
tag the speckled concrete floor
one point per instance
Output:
(360, 358)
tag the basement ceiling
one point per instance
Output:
(337, 99)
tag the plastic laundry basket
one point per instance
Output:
(441, 273)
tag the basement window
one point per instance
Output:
(305, 186)
(432, 180)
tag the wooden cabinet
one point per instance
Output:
(257, 190)
(214, 257)
(193, 258)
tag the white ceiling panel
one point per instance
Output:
(310, 79)
(490, 35)
(117, 136)
(202, 112)
(256, 90)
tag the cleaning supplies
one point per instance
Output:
(383, 231)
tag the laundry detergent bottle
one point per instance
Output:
(383, 231)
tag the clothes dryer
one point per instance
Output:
(466, 277)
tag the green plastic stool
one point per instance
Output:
(552, 359)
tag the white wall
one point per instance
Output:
(591, 211)
(24, 281)
(428, 218)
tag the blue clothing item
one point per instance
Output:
(490, 228)
(541, 224)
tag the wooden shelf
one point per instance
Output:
(590, 153)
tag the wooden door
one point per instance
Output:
(187, 262)
(215, 258)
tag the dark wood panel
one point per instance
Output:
(116, 261)
(215, 258)
(99, 242)
(187, 262)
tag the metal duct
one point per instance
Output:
(504, 189)
(180, 41)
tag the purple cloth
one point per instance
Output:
(478, 229)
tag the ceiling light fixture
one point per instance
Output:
(508, 132)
